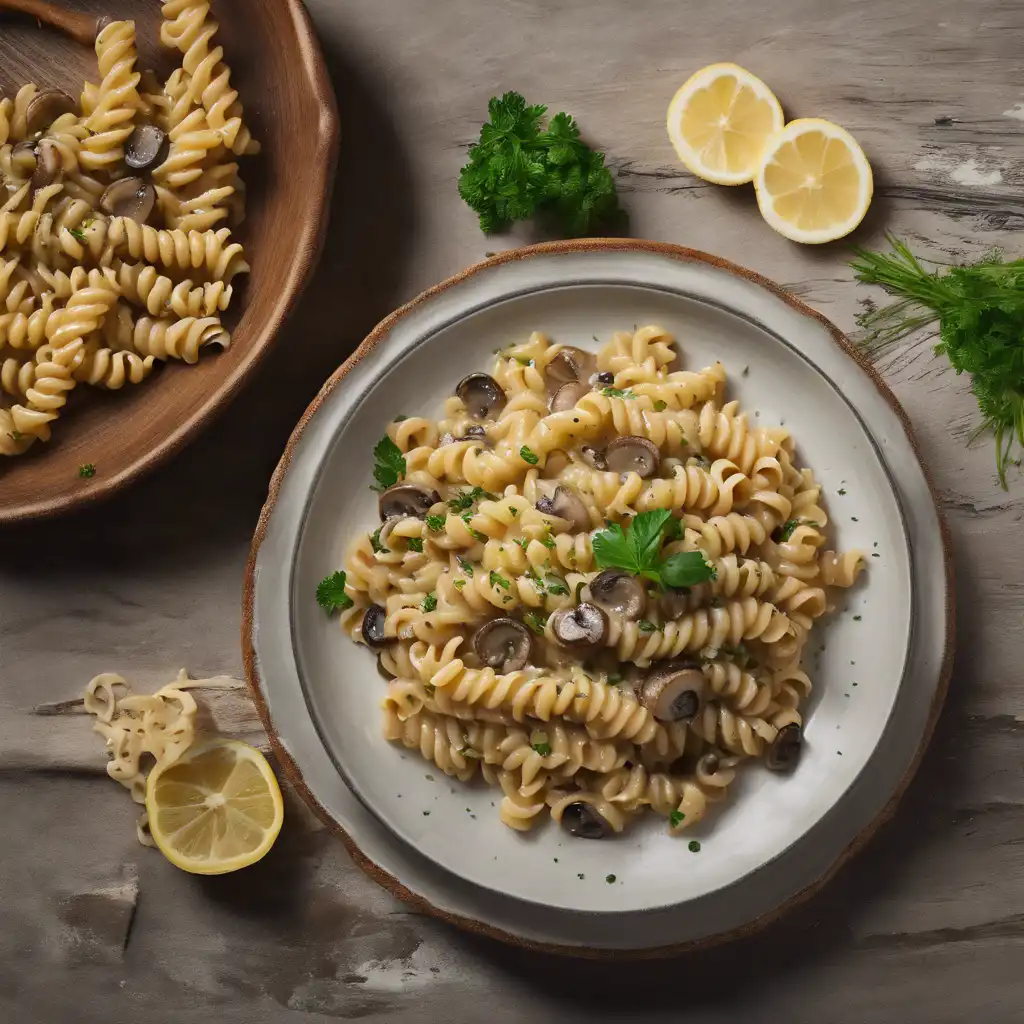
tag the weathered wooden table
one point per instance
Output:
(926, 926)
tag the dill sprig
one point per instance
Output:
(979, 309)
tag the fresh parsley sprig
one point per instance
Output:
(330, 593)
(517, 169)
(637, 549)
(389, 464)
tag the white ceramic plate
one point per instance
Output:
(778, 834)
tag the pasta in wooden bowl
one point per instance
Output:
(593, 584)
(126, 239)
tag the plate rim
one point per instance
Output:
(299, 273)
(294, 773)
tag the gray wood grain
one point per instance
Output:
(926, 927)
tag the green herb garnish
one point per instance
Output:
(389, 464)
(785, 531)
(660, 406)
(527, 455)
(539, 742)
(646, 626)
(467, 499)
(79, 236)
(617, 393)
(459, 584)
(637, 549)
(465, 565)
(430, 602)
(555, 585)
(375, 542)
(536, 621)
(497, 580)
(675, 819)
(435, 523)
(415, 544)
(693, 846)
(609, 879)
(85, 471)
(516, 169)
(330, 593)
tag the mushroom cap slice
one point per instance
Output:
(46, 106)
(784, 751)
(570, 364)
(566, 504)
(146, 147)
(373, 627)
(48, 164)
(673, 693)
(594, 457)
(581, 627)
(585, 821)
(632, 454)
(482, 395)
(132, 198)
(568, 395)
(406, 500)
(619, 591)
(503, 644)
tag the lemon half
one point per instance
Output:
(720, 121)
(815, 182)
(216, 809)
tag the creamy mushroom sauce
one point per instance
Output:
(578, 688)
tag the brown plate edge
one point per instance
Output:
(291, 769)
(308, 253)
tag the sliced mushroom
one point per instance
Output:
(673, 693)
(406, 500)
(571, 364)
(585, 821)
(48, 164)
(146, 147)
(373, 627)
(594, 457)
(503, 644)
(581, 627)
(784, 751)
(568, 395)
(474, 430)
(673, 604)
(482, 395)
(132, 198)
(619, 591)
(45, 108)
(632, 454)
(566, 504)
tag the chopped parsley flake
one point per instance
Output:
(430, 602)
(556, 585)
(85, 471)
(841, 491)
(465, 565)
(497, 580)
(539, 742)
(856, 618)
(617, 393)
(416, 544)
(528, 455)
(660, 406)
(467, 499)
(459, 584)
(535, 621)
(693, 846)
(646, 626)
(675, 819)
(435, 523)
(79, 236)
(378, 547)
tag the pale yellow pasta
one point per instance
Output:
(512, 497)
(111, 118)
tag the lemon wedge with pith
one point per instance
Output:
(216, 809)
(814, 184)
(720, 121)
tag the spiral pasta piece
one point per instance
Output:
(211, 252)
(160, 295)
(111, 119)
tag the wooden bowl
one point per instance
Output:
(279, 72)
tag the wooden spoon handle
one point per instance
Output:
(81, 27)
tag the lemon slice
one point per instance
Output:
(815, 183)
(720, 120)
(216, 809)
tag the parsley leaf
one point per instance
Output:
(389, 465)
(675, 819)
(415, 544)
(85, 472)
(660, 406)
(555, 584)
(646, 626)
(539, 742)
(637, 549)
(330, 593)
(535, 621)
(516, 170)
(459, 584)
(617, 393)
(465, 565)
(527, 455)
(785, 531)
(79, 236)
(467, 499)
(497, 580)
(375, 543)
(430, 602)
(435, 523)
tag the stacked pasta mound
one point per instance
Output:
(116, 217)
(520, 650)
